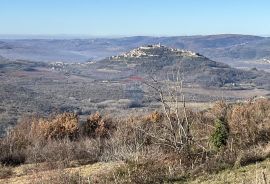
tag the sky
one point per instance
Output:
(134, 17)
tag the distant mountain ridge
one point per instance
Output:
(228, 48)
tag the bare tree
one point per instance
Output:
(176, 127)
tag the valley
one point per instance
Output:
(118, 83)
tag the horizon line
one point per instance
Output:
(84, 36)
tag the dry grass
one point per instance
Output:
(258, 173)
(33, 173)
(152, 147)
(5, 172)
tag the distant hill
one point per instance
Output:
(7, 65)
(4, 45)
(237, 50)
(159, 60)
(164, 62)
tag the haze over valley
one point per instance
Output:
(243, 51)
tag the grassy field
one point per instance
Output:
(257, 173)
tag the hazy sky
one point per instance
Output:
(134, 17)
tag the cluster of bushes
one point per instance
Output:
(58, 138)
(155, 147)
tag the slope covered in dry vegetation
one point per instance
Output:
(165, 146)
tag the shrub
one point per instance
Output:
(38, 140)
(154, 117)
(248, 157)
(250, 122)
(220, 136)
(62, 152)
(220, 110)
(97, 126)
(12, 147)
(12, 158)
(127, 141)
(60, 126)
